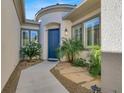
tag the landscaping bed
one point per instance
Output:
(12, 83)
(75, 79)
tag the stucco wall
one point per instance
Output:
(111, 72)
(66, 24)
(111, 25)
(111, 45)
(10, 40)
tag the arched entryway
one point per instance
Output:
(53, 40)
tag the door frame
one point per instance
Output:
(52, 59)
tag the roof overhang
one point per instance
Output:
(20, 10)
(27, 21)
(54, 8)
(83, 9)
(19, 6)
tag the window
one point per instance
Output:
(92, 29)
(28, 35)
(25, 36)
(34, 36)
(77, 32)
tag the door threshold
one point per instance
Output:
(52, 59)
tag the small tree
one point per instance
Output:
(33, 49)
(70, 48)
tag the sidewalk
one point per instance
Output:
(38, 79)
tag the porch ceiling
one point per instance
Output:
(83, 9)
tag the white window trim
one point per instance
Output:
(29, 31)
(78, 32)
(85, 34)
(22, 37)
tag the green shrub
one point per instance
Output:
(95, 61)
(70, 48)
(31, 50)
(79, 62)
(59, 53)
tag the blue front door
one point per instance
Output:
(53, 42)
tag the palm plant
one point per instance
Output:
(70, 48)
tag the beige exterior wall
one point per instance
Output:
(10, 42)
(111, 46)
(111, 72)
(66, 24)
(111, 26)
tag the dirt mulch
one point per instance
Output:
(12, 83)
(74, 79)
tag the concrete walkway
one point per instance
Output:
(39, 79)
